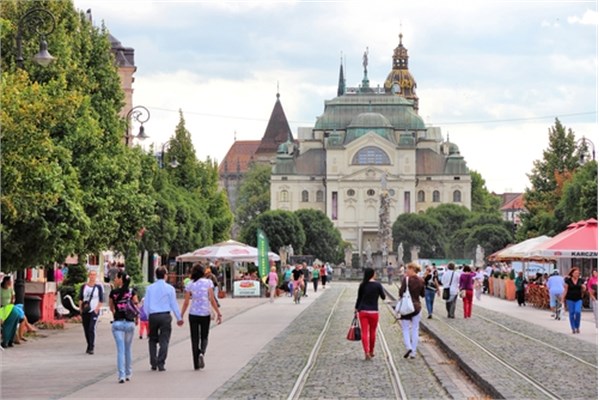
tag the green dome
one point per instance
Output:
(370, 120)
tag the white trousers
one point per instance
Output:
(410, 332)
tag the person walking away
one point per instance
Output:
(287, 277)
(307, 277)
(410, 322)
(315, 277)
(210, 274)
(367, 307)
(592, 288)
(90, 302)
(159, 302)
(120, 301)
(143, 321)
(572, 297)
(478, 283)
(432, 288)
(323, 275)
(556, 287)
(202, 296)
(273, 284)
(297, 280)
(465, 282)
(450, 280)
(520, 282)
(390, 273)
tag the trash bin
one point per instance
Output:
(32, 308)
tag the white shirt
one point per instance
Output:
(451, 279)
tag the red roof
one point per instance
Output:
(239, 157)
(516, 203)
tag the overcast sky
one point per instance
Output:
(492, 74)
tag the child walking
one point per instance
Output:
(143, 320)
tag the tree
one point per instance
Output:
(69, 112)
(451, 218)
(481, 199)
(417, 230)
(323, 240)
(547, 180)
(254, 196)
(281, 227)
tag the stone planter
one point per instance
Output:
(502, 288)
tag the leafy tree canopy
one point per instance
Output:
(323, 240)
(281, 227)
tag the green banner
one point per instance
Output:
(263, 254)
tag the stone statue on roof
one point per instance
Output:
(366, 59)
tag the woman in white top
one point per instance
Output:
(450, 279)
(200, 292)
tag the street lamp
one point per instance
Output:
(583, 149)
(141, 115)
(38, 19)
(174, 163)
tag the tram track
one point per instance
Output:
(301, 389)
(526, 364)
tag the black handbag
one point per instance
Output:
(354, 330)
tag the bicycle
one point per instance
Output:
(297, 294)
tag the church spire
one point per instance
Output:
(341, 81)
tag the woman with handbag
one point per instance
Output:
(450, 292)
(367, 307)
(415, 286)
(122, 302)
(90, 303)
(432, 287)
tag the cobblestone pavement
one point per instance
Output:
(525, 346)
(340, 370)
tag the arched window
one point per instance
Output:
(371, 155)
(320, 197)
(305, 196)
(456, 196)
(370, 192)
(284, 196)
(436, 196)
(421, 196)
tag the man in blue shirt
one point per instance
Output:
(159, 301)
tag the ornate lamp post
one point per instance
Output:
(41, 22)
(140, 114)
(583, 144)
(166, 146)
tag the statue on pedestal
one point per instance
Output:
(369, 253)
(479, 254)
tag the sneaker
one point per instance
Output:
(121, 380)
(201, 361)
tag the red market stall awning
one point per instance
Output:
(579, 240)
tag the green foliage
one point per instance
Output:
(323, 240)
(77, 274)
(71, 185)
(580, 196)
(133, 264)
(511, 275)
(481, 199)
(417, 230)
(254, 195)
(281, 228)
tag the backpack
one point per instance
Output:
(125, 304)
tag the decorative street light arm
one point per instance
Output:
(141, 115)
(583, 147)
(166, 146)
(38, 19)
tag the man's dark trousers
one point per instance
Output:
(159, 336)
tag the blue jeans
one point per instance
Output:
(429, 297)
(574, 307)
(123, 333)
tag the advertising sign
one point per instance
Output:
(246, 288)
